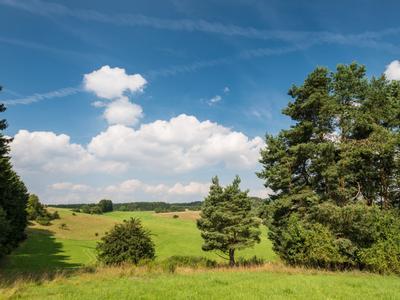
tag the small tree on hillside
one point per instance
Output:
(226, 221)
(127, 242)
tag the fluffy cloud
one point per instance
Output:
(162, 150)
(122, 111)
(44, 151)
(181, 144)
(392, 71)
(112, 83)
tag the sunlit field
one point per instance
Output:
(50, 247)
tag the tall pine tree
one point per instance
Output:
(13, 197)
(340, 158)
(226, 221)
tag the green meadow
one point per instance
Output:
(50, 248)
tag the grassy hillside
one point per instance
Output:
(218, 284)
(50, 247)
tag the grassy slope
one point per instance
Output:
(218, 285)
(50, 247)
(181, 237)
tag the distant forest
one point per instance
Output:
(142, 206)
(158, 207)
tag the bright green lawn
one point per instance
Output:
(220, 285)
(49, 247)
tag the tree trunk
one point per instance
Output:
(231, 257)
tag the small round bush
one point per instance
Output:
(128, 242)
(175, 216)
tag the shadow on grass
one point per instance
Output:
(39, 257)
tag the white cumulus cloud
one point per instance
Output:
(112, 83)
(392, 71)
(183, 143)
(124, 112)
(44, 151)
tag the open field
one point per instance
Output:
(50, 247)
(255, 283)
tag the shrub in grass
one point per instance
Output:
(63, 226)
(74, 214)
(55, 215)
(175, 216)
(250, 262)
(188, 261)
(44, 221)
(128, 242)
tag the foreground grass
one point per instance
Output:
(51, 247)
(256, 283)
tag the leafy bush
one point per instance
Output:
(44, 221)
(330, 236)
(126, 242)
(55, 215)
(175, 216)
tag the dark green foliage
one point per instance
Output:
(13, 198)
(336, 172)
(38, 212)
(142, 206)
(95, 210)
(92, 209)
(226, 221)
(128, 242)
(105, 205)
(331, 236)
(175, 216)
(44, 221)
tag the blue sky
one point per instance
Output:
(216, 73)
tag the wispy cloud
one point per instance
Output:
(214, 100)
(39, 97)
(50, 9)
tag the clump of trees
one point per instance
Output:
(13, 197)
(128, 242)
(37, 211)
(103, 206)
(336, 173)
(226, 221)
